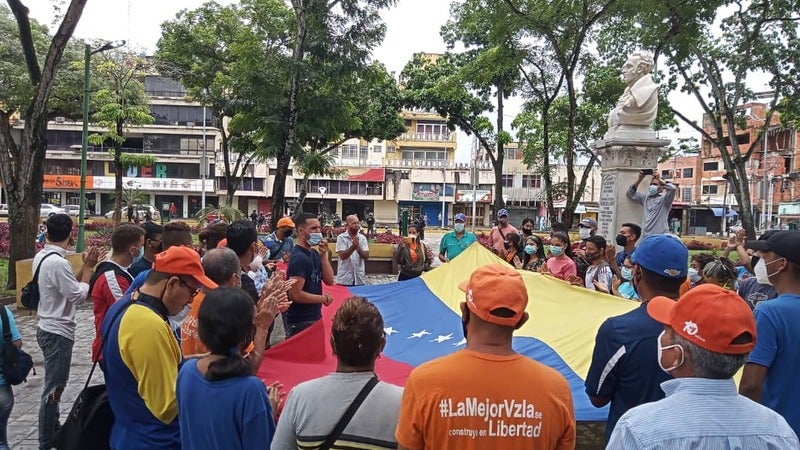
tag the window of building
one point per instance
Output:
(710, 166)
(377, 148)
(157, 86)
(666, 174)
(424, 155)
(176, 144)
(341, 187)
(531, 181)
(688, 172)
(349, 151)
(364, 152)
(686, 195)
(710, 189)
(508, 180)
(180, 115)
(390, 149)
(512, 153)
(432, 128)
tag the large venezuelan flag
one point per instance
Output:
(423, 322)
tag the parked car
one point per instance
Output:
(74, 210)
(48, 209)
(3, 210)
(140, 211)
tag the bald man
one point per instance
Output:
(353, 250)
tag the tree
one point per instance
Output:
(27, 93)
(713, 67)
(215, 51)
(120, 102)
(565, 29)
(330, 38)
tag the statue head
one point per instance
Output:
(637, 66)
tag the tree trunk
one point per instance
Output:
(230, 191)
(569, 210)
(284, 154)
(499, 203)
(301, 199)
(22, 166)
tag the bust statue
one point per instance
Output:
(638, 105)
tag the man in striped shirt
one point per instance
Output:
(708, 335)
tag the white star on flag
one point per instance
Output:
(389, 331)
(441, 338)
(420, 334)
(460, 343)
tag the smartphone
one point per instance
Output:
(647, 171)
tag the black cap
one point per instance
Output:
(782, 243)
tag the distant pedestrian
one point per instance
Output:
(173, 210)
(371, 224)
(254, 217)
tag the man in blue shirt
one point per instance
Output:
(707, 336)
(456, 241)
(624, 369)
(309, 268)
(772, 374)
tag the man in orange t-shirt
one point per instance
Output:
(457, 401)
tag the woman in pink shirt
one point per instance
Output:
(560, 264)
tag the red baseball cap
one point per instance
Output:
(708, 316)
(496, 286)
(180, 260)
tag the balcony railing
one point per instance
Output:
(434, 164)
(429, 137)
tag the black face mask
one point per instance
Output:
(621, 240)
(527, 232)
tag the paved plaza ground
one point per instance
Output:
(22, 426)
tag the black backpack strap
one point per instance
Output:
(348, 415)
(36, 274)
(6, 325)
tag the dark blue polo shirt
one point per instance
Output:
(625, 363)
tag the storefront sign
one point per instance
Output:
(154, 184)
(65, 182)
(430, 192)
(480, 195)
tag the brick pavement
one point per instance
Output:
(22, 426)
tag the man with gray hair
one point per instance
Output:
(222, 265)
(708, 335)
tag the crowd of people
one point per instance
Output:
(181, 331)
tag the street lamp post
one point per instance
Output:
(88, 52)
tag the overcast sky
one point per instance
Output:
(412, 26)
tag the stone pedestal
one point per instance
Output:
(623, 156)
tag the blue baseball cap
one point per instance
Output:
(461, 217)
(502, 212)
(663, 254)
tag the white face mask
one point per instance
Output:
(585, 233)
(762, 276)
(661, 353)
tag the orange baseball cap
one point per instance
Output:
(708, 316)
(180, 260)
(285, 222)
(496, 286)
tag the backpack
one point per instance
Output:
(104, 267)
(16, 363)
(29, 297)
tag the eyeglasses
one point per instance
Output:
(193, 289)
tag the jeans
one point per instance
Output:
(57, 352)
(6, 405)
(294, 328)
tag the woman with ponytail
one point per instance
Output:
(220, 405)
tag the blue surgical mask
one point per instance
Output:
(556, 250)
(652, 189)
(459, 227)
(314, 238)
(627, 273)
(530, 249)
(138, 257)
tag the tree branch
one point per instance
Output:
(26, 39)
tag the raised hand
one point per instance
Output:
(276, 395)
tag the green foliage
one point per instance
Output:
(132, 197)
(136, 160)
(16, 89)
(227, 213)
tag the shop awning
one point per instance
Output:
(718, 212)
(371, 175)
